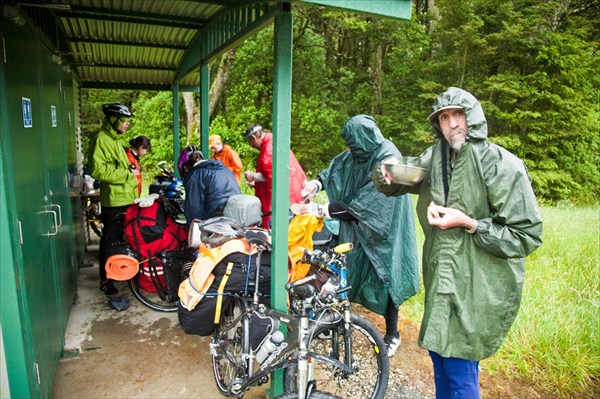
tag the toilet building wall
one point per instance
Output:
(42, 228)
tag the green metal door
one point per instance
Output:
(27, 180)
(54, 147)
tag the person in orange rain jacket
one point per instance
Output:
(226, 154)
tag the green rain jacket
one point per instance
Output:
(108, 164)
(473, 282)
(384, 260)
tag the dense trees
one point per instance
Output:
(533, 65)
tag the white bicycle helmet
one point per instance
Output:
(117, 110)
(218, 230)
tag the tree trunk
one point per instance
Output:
(220, 80)
(192, 115)
(376, 72)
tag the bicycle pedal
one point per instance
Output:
(235, 385)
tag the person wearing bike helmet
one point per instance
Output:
(208, 186)
(108, 164)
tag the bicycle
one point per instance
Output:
(351, 359)
(90, 203)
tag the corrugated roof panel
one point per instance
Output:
(121, 41)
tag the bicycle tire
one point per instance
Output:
(313, 395)
(369, 356)
(151, 299)
(226, 347)
(97, 227)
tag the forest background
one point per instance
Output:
(535, 67)
(533, 64)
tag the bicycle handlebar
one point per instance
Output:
(294, 284)
(342, 248)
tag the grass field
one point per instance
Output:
(555, 341)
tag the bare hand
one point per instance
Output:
(386, 176)
(309, 190)
(447, 218)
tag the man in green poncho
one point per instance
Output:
(480, 219)
(383, 266)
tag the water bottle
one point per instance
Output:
(330, 286)
(269, 346)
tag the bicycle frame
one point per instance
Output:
(294, 348)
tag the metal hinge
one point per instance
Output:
(3, 49)
(20, 233)
(37, 372)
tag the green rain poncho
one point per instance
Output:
(384, 260)
(473, 282)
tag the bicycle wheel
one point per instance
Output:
(226, 348)
(160, 300)
(360, 347)
(97, 227)
(313, 395)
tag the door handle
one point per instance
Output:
(55, 232)
(59, 214)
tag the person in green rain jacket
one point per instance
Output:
(383, 267)
(481, 219)
(108, 163)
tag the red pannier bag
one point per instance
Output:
(148, 231)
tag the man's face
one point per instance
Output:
(453, 123)
(255, 141)
(217, 147)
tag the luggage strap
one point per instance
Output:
(220, 293)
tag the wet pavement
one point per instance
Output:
(135, 353)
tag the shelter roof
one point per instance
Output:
(153, 44)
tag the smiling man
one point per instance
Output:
(480, 219)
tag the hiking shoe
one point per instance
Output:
(392, 343)
(108, 288)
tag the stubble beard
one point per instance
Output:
(457, 140)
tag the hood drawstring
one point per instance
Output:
(444, 149)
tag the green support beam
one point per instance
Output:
(224, 32)
(175, 127)
(282, 115)
(204, 103)
(400, 9)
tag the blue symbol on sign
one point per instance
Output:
(53, 115)
(27, 117)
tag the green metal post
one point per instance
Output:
(204, 103)
(175, 127)
(282, 112)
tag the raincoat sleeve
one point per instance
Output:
(264, 164)
(108, 167)
(394, 189)
(194, 198)
(515, 228)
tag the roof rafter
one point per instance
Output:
(102, 14)
(126, 43)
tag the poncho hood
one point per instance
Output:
(362, 135)
(476, 123)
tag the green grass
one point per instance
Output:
(555, 340)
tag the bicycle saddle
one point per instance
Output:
(259, 237)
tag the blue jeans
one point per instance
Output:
(455, 378)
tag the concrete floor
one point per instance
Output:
(136, 353)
